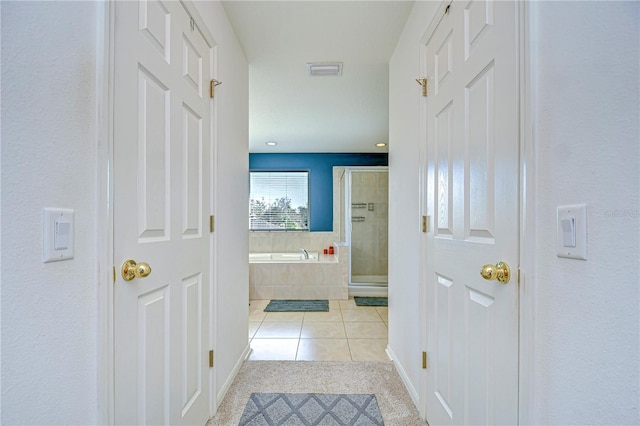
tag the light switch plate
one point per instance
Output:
(57, 232)
(572, 219)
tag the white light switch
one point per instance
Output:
(57, 235)
(572, 231)
(61, 236)
(568, 231)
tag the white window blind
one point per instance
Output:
(279, 201)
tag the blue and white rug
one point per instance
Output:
(270, 409)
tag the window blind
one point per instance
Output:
(279, 201)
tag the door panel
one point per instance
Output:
(472, 187)
(162, 195)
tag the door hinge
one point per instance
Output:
(212, 87)
(425, 363)
(425, 223)
(211, 223)
(518, 275)
(211, 359)
(114, 274)
(422, 81)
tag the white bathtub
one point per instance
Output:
(282, 257)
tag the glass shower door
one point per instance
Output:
(369, 227)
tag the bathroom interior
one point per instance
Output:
(293, 265)
(350, 259)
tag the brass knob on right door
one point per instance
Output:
(500, 271)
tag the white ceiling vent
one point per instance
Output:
(324, 68)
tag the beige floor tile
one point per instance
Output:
(361, 315)
(366, 330)
(274, 349)
(323, 350)
(323, 330)
(333, 305)
(279, 329)
(384, 313)
(258, 305)
(257, 316)
(284, 316)
(347, 304)
(368, 349)
(253, 327)
(332, 315)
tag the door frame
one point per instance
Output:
(106, 269)
(527, 102)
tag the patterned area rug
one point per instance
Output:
(297, 306)
(371, 301)
(270, 409)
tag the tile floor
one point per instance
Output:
(346, 333)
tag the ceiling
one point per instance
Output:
(347, 113)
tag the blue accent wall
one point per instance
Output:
(320, 167)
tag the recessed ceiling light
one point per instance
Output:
(324, 68)
(271, 143)
(381, 144)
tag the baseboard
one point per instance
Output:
(413, 393)
(232, 376)
(367, 291)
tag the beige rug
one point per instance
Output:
(379, 378)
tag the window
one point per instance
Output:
(279, 201)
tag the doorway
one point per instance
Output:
(367, 225)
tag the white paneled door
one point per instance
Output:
(472, 198)
(162, 190)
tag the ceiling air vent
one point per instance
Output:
(324, 68)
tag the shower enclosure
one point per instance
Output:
(366, 217)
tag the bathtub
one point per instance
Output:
(291, 276)
(282, 257)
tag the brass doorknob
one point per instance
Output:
(131, 270)
(499, 271)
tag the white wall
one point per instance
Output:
(49, 329)
(232, 203)
(404, 212)
(586, 57)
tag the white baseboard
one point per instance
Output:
(232, 376)
(413, 393)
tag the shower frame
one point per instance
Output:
(359, 288)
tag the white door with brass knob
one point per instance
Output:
(472, 168)
(162, 201)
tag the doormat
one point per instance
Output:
(371, 301)
(270, 409)
(297, 306)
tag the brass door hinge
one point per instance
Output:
(211, 223)
(422, 81)
(425, 223)
(211, 359)
(114, 274)
(425, 363)
(212, 87)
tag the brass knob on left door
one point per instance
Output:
(131, 270)
(500, 271)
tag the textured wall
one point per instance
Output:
(231, 204)
(404, 212)
(587, 313)
(49, 320)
